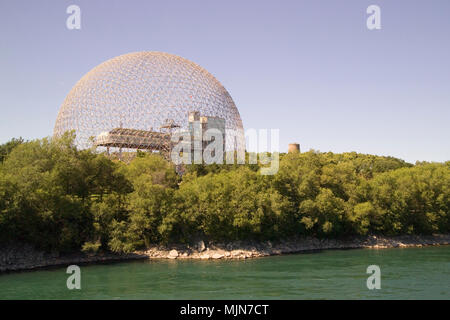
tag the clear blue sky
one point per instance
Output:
(310, 68)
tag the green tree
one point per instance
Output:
(6, 148)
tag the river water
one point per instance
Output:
(409, 273)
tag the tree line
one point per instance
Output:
(63, 199)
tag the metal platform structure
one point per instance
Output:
(134, 139)
(127, 138)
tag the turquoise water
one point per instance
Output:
(410, 273)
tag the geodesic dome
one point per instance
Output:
(143, 92)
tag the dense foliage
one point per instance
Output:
(64, 199)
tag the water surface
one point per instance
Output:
(409, 273)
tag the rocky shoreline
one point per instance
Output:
(21, 257)
(245, 250)
(24, 257)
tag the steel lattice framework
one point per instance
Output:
(141, 93)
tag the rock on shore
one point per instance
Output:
(24, 257)
(247, 249)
